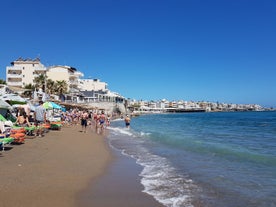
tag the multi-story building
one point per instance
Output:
(92, 85)
(23, 71)
(69, 74)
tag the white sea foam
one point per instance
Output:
(145, 134)
(193, 153)
(119, 130)
(162, 182)
(159, 178)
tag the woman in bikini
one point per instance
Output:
(22, 119)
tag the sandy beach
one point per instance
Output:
(51, 170)
(119, 186)
(68, 168)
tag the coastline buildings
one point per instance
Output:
(163, 106)
(22, 72)
(92, 91)
(69, 74)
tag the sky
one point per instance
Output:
(199, 50)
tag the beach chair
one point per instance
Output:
(18, 134)
(56, 125)
(5, 141)
(30, 130)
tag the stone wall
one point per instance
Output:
(109, 107)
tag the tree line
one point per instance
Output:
(47, 85)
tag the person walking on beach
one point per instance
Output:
(102, 120)
(108, 120)
(127, 121)
(84, 117)
(40, 118)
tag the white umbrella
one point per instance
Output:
(4, 104)
(13, 99)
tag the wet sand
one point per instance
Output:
(119, 186)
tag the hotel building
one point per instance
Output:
(23, 71)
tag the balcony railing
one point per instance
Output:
(13, 68)
(14, 75)
(14, 83)
(40, 69)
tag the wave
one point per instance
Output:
(159, 178)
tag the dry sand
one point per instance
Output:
(51, 170)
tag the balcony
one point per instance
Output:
(9, 83)
(14, 75)
(15, 67)
(76, 74)
(73, 83)
(38, 73)
(40, 69)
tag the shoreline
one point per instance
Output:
(119, 186)
(67, 168)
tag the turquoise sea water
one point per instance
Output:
(203, 159)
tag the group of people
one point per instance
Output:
(98, 120)
(25, 119)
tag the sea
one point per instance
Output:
(211, 159)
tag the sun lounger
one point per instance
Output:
(18, 134)
(56, 125)
(4, 141)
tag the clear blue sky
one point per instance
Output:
(212, 50)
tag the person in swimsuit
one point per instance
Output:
(127, 121)
(108, 119)
(22, 119)
(84, 117)
(102, 121)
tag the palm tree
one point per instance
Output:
(30, 88)
(60, 87)
(50, 86)
(39, 81)
(3, 82)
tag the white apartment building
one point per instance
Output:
(92, 85)
(23, 71)
(66, 73)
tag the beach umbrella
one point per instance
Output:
(13, 99)
(55, 106)
(47, 105)
(51, 105)
(4, 104)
